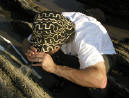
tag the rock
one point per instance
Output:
(125, 41)
(22, 9)
(116, 11)
(119, 75)
(118, 86)
(22, 28)
(122, 48)
(16, 78)
(97, 13)
(115, 7)
(7, 88)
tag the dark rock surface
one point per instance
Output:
(21, 9)
(22, 28)
(97, 13)
(116, 10)
(115, 7)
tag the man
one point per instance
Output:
(75, 34)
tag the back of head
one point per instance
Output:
(50, 30)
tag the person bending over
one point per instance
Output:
(75, 34)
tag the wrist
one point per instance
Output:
(54, 69)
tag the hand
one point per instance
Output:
(31, 50)
(44, 59)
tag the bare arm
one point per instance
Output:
(94, 76)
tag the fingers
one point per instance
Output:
(38, 64)
(29, 53)
(39, 60)
(38, 55)
(33, 49)
(34, 56)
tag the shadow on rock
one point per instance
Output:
(22, 28)
(21, 9)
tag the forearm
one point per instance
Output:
(94, 76)
(88, 77)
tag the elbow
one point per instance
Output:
(103, 83)
(100, 83)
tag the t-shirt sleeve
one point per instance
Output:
(91, 44)
(89, 55)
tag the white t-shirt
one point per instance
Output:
(90, 42)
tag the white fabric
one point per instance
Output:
(90, 42)
(29, 37)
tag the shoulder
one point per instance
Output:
(77, 16)
(83, 21)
